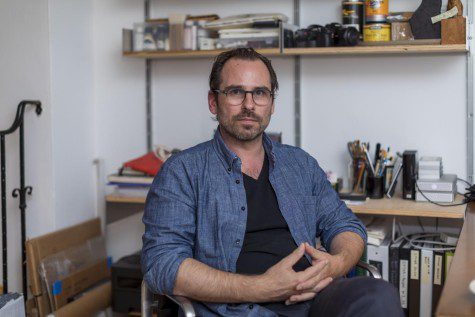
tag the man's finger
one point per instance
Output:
(314, 253)
(295, 256)
(320, 286)
(313, 281)
(312, 271)
(300, 298)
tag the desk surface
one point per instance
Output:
(401, 207)
(390, 207)
(456, 299)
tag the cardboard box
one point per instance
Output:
(39, 248)
(80, 281)
(91, 302)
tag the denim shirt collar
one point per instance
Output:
(228, 157)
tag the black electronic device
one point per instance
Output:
(343, 35)
(333, 34)
(126, 284)
(409, 174)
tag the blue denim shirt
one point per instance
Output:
(194, 210)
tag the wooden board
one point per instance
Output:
(456, 299)
(391, 207)
(401, 207)
(314, 51)
(191, 54)
(375, 50)
(125, 199)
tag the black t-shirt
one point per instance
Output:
(267, 239)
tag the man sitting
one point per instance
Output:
(232, 223)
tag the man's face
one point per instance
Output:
(246, 121)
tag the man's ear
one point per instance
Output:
(212, 104)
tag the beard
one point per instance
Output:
(246, 132)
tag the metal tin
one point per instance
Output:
(379, 32)
(353, 14)
(377, 10)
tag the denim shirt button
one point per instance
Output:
(237, 181)
(229, 169)
(238, 241)
(243, 208)
(251, 306)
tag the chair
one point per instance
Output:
(185, 305)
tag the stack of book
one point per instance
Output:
(418, 273)
(129, 183)
(433, 184)
(249, 30)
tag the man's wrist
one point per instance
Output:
(256, 286)
(339, 267)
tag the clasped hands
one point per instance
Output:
(282, 283)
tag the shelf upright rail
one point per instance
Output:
(148, 88)
(470, 88)
(297, 86)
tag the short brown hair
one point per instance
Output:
(248, 54)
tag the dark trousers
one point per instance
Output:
(345, 297)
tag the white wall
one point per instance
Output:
(119, 101)
(25, 74)
(47, 55)
(73, 113)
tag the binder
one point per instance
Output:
(414, 282)
(394, 263)
(438, 280)
(404, 268)
(426, 271)
(449, 255)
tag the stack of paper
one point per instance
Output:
(12, 304)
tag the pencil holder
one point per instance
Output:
(375, 187)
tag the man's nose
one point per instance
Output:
(248, 101)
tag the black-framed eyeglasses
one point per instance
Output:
(236, 96)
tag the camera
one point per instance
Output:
(343, 36)
(333, 34)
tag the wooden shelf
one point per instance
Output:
(385, 206)
(190, 54)
(401, 207)
(372, 50)
(314, 51)
(125, 199)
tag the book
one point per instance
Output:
(394, 262)
(438, 280)
(379, 257)
(449, 255)
(364, 258)
(404, 260)
(127, 171)
(137, 191)
(414, 282)
(118, 179)
(377, 230)
(427, 271)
